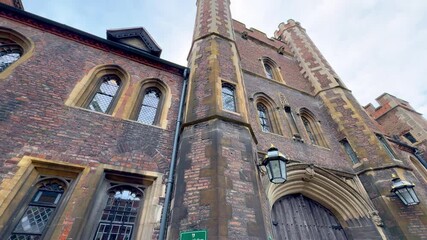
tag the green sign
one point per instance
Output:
(194, 235)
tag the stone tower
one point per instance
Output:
(216, 187)
(377, 163)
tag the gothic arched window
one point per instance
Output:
(14, 48)
(268, 71)
(312, 128)
(104, 96)
(39, 212)
(10, 52)
(120, 213)
(271, 70)
(149, 111)
(263, 117)
(228, 97)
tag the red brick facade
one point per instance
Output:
(219, 185)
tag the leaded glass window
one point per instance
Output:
(10, 52)
(150, 106)
(268, 71)
(386, 146)
(120, 214)
(350, 152)
(263, 118)
(40, 211)
(309, 129)
(228, 98)
(105, 94)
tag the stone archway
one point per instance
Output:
(298, 217)
(341, 193)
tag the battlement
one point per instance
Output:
(256, 34)
(386, 102)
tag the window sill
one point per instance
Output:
(228, 111)
(113, 116)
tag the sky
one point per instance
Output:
(375, 46)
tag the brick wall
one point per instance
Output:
(34, 120)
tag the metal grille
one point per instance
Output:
(268, 71)
(24, 237)
(9, 53)
(309, 130)
(104, 96)
(119, 215)
(228, 100)
(39, 211)
(149, 107)
(263, 117)
(34, 220)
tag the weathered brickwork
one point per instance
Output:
(219, 184)
(35, 122)
(34, 96)
(397, 117)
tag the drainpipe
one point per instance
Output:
(169, 183)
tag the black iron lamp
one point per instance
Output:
(275, 163)
(405, 191)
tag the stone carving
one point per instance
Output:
(283, 101)
(309, 173)
(376, 218)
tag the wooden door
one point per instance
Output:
(297, 217)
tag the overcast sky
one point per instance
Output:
(375, 46)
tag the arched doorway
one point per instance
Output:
(298, 217)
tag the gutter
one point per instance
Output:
(8, 12)
(171, 177)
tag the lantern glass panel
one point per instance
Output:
(283, 170)
(273, 153)
(414, 196)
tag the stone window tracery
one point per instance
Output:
(39, 212)
(105, 94)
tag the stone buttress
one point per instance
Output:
(216, 185)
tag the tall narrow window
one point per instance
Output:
(310, 131)
(349, 150)
(410, 138)
(104, 96)
(120, 213)
(149, 107)
(386, 146)
(312, 128)
(268, 71)
(271, 69)
(263, 118)
(10, 52)
(228, 98)
(292, 124)
(40, 210)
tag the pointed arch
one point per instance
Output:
(345, 201)
(312, 128)
(107, 80)
(150, 103)
(267, 116)
(15, 48)
(271, 69)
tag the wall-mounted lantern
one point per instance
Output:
(275, 163)
(405, 191)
